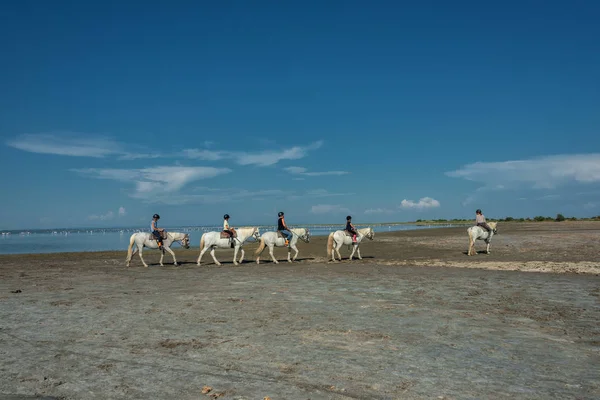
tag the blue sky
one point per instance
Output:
(389, 111)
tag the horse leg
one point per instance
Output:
(358, 251)
(272, 256)
(242, 256)
(337, 250)
(333, 252)
(488, 247)
(471, 245)
(290, 252)
(128, 260)
(201, 254)
(235, 251)
(162, 256)
(212, 253)
(142, 258)
(352, 254)
(173, 254)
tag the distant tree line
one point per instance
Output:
(539, 218)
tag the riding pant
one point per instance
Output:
(286, 233)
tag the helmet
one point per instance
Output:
(156, 216)
(280, 214)
(478, 212)
(348, 218)
(225, 216)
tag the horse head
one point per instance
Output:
(306, 236)
(370, 234)
(185, 242)
(182, 238)
(256, 234)
(493, 226)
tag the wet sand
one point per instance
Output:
(415, 319)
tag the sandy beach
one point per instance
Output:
(416, 318)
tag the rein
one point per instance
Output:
(300, 237)
(244, 241)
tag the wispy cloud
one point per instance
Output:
(98, 146)
(66, 144)
(304, 172)
(154, 181)
(103, 217)
(263, 158)
(328, 209)
(539, 173)
(75, 145)
(425, 202)
(379, 211)
(122, 211)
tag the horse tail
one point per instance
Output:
(330, 244)
(202, 241)
(261, 247)
(129, 249)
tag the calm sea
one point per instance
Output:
(77, 240)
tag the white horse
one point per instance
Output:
(213, 240)
(272, 239)
(338, 238)
(479, 233)
(143, 239)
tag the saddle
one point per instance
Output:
(281, 235)
(348, 233)
(225, 235)
(163, 235)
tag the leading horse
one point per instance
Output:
(338, 238)
(213, 240)
(479, 233)
(143, 239)
(272, 239)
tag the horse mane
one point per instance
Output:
(297, 231)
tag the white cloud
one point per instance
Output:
(104, 217)
(150, 182)
(66, 144)
(122, 211)
(544, 172)
(75, 145)
(328, 208)
(379, 211)
(425, 202)
(262, 158)
(97, 146)
(303, 171)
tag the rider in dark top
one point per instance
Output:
(350, 228)
(283, 228)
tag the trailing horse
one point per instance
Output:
(143, 239)
(479, 233)
(213, 240)
(338, 238)
(274, 239)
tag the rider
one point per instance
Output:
(350, 228)
(227, 228)
(283, 228)
(480, 221)
(156, 231)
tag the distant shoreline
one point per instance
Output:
(418, 222)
